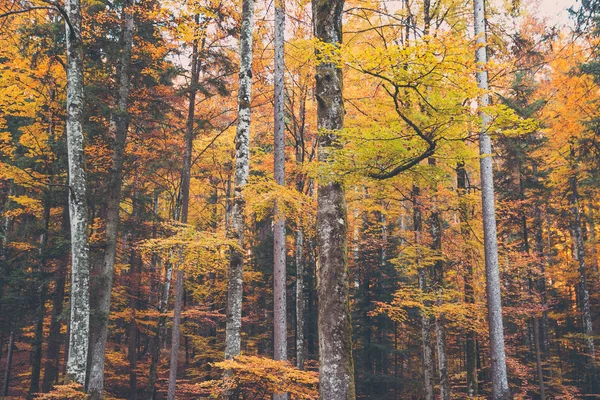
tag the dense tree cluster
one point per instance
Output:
(289, 199)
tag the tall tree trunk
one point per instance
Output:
(242, 165)
(36, 349)
(500, 390)
(586, 314)
(471, 339)
(9, 357)
(279, 249)
(435, 226)
(336, 365)
(538, 357)
(160, 332)
(51, 366)
(134, 262)
(184, 201)
(426, 319)
(80, 298)
(592, 237)
(102, 284)
(541, 281)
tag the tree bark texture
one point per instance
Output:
(500, 390)
(184, 200)
(80, 298)
(101, 287)
(242, 165)
(279, 248)
(470, 339)
(336, 369)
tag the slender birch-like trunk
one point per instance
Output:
(184, 201)
(101, 286)
(426, 319)
(80, 266)
(586, 314)
(336, 368)
(471, 339)
(500, 390)
(242, 167)
(279, 250)
(299, 247)
(8, 369)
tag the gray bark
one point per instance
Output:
(36, 349)
(464, 216)
(54, 337)
(299, 244)
(242, 165)
(336, 369)
(101, 287)
(299, 257)
(426, 319)
(586, 315)
(279, 250)
(80, 299)
(500, 390)
(184, 200)
(538, 357)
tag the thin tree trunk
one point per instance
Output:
(538, 357)
(160, 332)
(51, 367)
(336, 365)
(36, 350)
(102, 284)
(299, 257)
(9, 357)
(80, 299)
(426, 319)
(133, 296)
(184, 201)
(242, 161)
(299, 254)
(279, 248)
(541, 282)
(586, 314)
(500, 390)
(464, 215)
(592, 238)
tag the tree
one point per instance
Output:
(335, 328)
(242, 165)
(101, 287)
(80, 301)
(500, 390)
(279, 250)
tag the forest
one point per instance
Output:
(326, 199)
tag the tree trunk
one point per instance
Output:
(36, 349)
(586, 314)
(242, 161)
(464, 215)
(102, 284)
(51, 367)
(160, 332)
(538, 357)
(299, 257)
(134, 261)
(279, 249)
(426, 319)
(500, 390)
(9, 357)
(335, 328)
(80, 299)
(184, 201)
